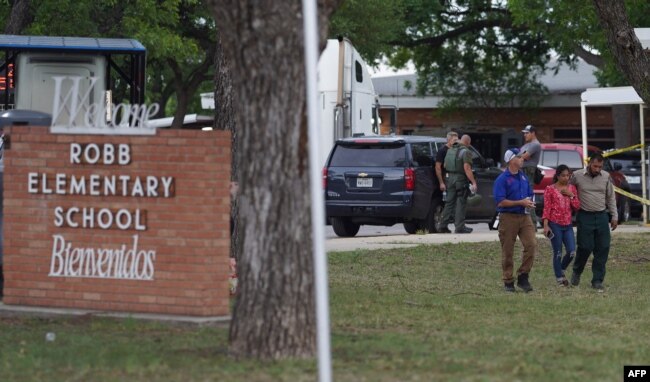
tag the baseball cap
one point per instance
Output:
(528, 129)
(510, 153)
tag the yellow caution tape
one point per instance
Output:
(632, 196)
(619, 190)
(618, 151)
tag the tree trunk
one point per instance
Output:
(625, 121)
(182, 99)
(631, 59)
(224, 119)
(21, 15)
(274, 313)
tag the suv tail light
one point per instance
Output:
(324, 178)
(409, 179)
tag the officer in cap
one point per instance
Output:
(531, 152)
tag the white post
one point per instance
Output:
(310, 26)
(583, 112)
(644, 172)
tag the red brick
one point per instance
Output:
(189, 231)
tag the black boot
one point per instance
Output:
(522, 282)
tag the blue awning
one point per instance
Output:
(70, 44)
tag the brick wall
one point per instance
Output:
(181, 262)
(545, 119)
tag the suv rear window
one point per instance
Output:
(369, 156)
(554, 158)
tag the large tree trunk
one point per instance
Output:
(625, 120)
(21, 15)
(274, 313)
(224, 119)
(631, 59)
(182, 100)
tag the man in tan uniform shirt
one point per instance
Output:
(597, 204)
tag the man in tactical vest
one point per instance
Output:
(458, 164)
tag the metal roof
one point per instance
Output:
(85, 44)
(611, 96)
(566, 81)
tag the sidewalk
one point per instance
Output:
(401, 241)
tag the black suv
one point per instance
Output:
(385, 180)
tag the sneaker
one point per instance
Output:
(575, 279)
(509, 287)
(522, 282)
(562, 282)
(464, 230)
(598, 287)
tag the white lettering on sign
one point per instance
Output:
(104, 218)
(101, 185)
(114, 263)
(73, 111)
(69, 260)
(91, 154)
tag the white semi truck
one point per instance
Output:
(349, 104)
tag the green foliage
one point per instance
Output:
(371, 25)
(467, 51)
(572, 25)
(482, 53)
(490, 64)
(429, 313)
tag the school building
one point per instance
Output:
(493, 130)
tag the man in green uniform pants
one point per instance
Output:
(458, 164)
(597, 203)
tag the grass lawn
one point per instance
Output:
(428, 313)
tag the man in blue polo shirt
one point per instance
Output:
(514, 199)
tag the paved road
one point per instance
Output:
(371, 237)
(397, 229)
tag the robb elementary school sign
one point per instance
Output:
(73, 113)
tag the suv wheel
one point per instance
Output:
(411, 226)
(435, 215)
(344, 227)
(428, 224)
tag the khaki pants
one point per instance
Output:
(511, 226)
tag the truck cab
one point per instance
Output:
(346, 95)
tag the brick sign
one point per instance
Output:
(118, 223)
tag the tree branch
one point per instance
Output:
(590, 58)
(630, 57)
(437, 41)
(19, 18)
